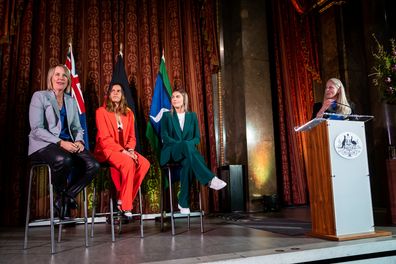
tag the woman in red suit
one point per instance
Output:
(115, 144)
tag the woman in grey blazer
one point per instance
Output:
(56, 137)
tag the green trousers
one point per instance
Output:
(193, 164)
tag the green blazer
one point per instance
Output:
(174, 140)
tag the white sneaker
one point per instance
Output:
(217, 184)
(183, 210)
(128, 214)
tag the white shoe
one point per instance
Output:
(128, 214)
(183, 210)
(217, 184)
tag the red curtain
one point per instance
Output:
(296, 61)
(41, 31)
(299, 6)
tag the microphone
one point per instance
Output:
(337, 103)
(340, 116)
(352, 112)
(352, 116)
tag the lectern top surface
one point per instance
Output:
(330, 116)
(363, 118)
(310, 124)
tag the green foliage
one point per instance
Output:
(384, 76)
(151, 185)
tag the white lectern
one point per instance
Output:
(338, 178)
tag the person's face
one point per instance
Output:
(177, 100)
(59, 79)
(331, 91)
(116, 94)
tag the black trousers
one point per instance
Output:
(71, 172)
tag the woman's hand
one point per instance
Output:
(325, 105)
(72, 147)
(131, 153)
(80, 146)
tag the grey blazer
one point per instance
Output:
(44, 118)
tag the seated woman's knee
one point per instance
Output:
(64, 160)
(93, 166)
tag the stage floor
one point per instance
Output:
(226, 240)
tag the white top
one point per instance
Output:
(119, 122)
(182, 117)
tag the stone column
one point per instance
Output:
(248, 118)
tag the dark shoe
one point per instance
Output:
(118, 205)
(115, 219)
(60, 208)
(72, 203)
(117, 209)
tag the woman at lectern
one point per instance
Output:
(334, 101)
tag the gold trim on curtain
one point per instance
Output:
(97, 28)
(297, 66)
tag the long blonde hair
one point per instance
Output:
(50, 74)
(343, 106)
(185, 99)
(112, 107)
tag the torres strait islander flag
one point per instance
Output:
(159, 104)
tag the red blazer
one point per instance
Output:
(107, 139)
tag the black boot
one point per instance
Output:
(59, 206)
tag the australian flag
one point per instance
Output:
(77, 94)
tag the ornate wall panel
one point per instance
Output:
(96, 29)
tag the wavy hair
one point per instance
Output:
(122, 108)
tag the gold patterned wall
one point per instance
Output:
(41, 31)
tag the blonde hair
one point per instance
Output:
(122, 108)
(50, 74)
(185, 99)
(343, 106)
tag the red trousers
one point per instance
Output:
(127, 176)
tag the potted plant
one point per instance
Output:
(384, 75)
(384, 78)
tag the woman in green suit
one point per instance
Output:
(180, 135)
